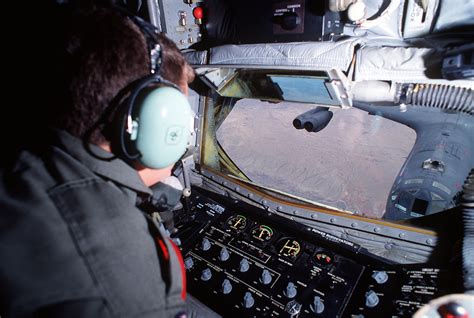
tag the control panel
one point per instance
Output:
(181, 21)
(202, 24)
(245, 262)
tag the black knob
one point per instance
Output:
(290, 20)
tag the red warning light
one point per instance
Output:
(198, 13)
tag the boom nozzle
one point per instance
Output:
(313, 120)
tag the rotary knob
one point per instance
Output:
(248, 300)
(188, 262)
(371, 299)
(317, 306)
(224, 254)
(244, 265)
(206, 274)
(290, 290)
(226, 286)
(266, 277)
(293, 308)
(380, 277)
(205, 244)
(290, 20)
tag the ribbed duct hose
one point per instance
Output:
(441, 96)
(467, 205)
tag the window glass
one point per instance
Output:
(349, 165)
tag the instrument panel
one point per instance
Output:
(245, 262)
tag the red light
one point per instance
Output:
(198, 13)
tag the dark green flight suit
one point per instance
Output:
(73, 242)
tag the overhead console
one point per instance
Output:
(242, 261)
(266, 21)
(214, 22)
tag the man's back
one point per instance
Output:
(72, 240)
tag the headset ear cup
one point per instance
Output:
(164, 127)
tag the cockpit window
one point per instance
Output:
(350, 165)
(383, 160)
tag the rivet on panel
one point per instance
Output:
(354, 224)
(429, 241)
(314, 216)
(401, 235)
(377, 230)
(332, 220)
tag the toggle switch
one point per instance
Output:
(182, 18)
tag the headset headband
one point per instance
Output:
(150, 32)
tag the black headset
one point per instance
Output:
(155, 122)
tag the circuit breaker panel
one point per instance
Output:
(180, 20)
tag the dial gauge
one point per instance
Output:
(262, 233)
(323, 258)
(237, 222)
(289, 248)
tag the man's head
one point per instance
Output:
(103, 52)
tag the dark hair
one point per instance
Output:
(103, 52)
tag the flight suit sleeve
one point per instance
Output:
(93, 307)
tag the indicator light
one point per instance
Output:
(198, 14)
